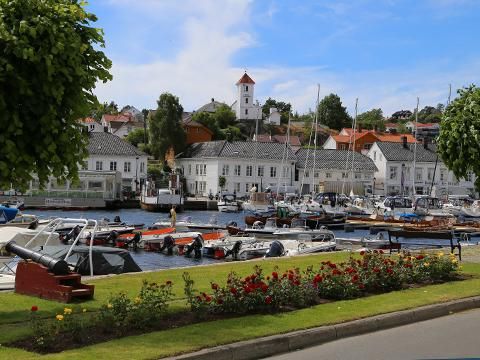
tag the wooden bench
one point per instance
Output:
(397, 238)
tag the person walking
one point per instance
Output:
(173, 216)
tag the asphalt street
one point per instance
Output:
(456, 336)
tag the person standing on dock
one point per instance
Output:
(173, 216)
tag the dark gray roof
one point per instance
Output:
(103, 143)
(239, 149)
(397, 152)
(210, 107)
(333, 159)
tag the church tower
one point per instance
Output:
(245, 108)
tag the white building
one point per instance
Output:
(274, 116)
(395, 171)
(243, 164)
(332, 171)
(91, 124)
(245, 106)
(108, 152)
(120, 125)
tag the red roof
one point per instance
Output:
(421, 125)
(119, 117)
(294, 139)
(245, 79)
(89, 120)
(379, 136)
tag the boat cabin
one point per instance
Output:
(428, 202)
(299, 223)
(396, 202)
(332, 199)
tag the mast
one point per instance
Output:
(254, 168)
(315, 140)
(348, 155)
(306, 158)
(448, 103)
(354, 140)
(284, 155)
(415, 151)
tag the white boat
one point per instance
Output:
(300, 231)
(153, 199)
(14, 203)
(395, 206)
(259, 201)
(227, 203)
(23, 237)
(430, 206)
(263, 231)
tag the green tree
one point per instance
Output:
(458, 141)
(136, 136)
(100, 109)
(232, 133)
(222, 181)
(402, 128)
(165, 129)
(49, 64)
(224, 116)
(285, 109)
(429, 114)
(207, 120)
(332, 114)
(372, 119)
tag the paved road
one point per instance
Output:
(454, 336)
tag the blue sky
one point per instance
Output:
(385, 52)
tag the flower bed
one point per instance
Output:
(373, 273)
(256, 293)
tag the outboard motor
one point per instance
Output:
(276, 249)
(169, 244)
(234, 250)
(232, 223)
(112, 237)
(117, 219)
(196, 246)
(135, 240)
(72, 234)
(257, 224)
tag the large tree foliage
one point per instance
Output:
(49, 64)
(332, 114)
(459, 139)
(224, 117)
(165, 128)
(222, 123)
(136, 136)
(285, 109)
(372, 119)
(100, 109)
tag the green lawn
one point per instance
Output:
(194, 337)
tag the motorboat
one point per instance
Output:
(395, 206)
(259, 201)
(7, 214)
(27, 221)
(228, 203)
(300, 230)
(260, 230)
(14, 203)
(430, 206)
(27, 237)
(298, 247)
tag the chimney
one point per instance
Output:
(359, 128)
(105, 129)
(404, 141)
(425, 143)
(213, 99)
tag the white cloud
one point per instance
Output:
(212, 33)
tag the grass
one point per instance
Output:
(194, 337)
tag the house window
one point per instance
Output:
(316, 174)
(260, 170)
(469, 176)
(249, 170)
(85, 165)
(442, 175)
(126, 166)
(307, 173)
(142, 167)
(358, 175)
(328, 175)
(246, 100)
(202, 186)
(225, 170)
(236, 187)
(98, 165)
(113, 166)
(273, 171)
(367, 146)
(189, 169)
(418, 174)
(344, 175)
(92, 127)
(246, 87)
(342, 147)
(237, 170)
(247, 187)
(285, 172)
(197, 167)
(374, 156)
(246, 111)
(430, 174)
(393, 172)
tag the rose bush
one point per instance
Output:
(373, 272)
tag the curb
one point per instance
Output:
(283, 343)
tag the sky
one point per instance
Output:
(386, 53)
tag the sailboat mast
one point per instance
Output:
(415, 150)
(448, 103)
(315, 141)
(354, 141)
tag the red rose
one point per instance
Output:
(219, 301)
(354, 278)
(381, 251)
(214, 286)
(34, 308)
(332, 266)
(290, 277)
(275, 275)
(208, 298)
(362, 253)
(233, 291)
(361, 286)
(264, 288)
(376, 270)
(268, 300)
(420, 257)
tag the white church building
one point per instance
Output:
(245, 107)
